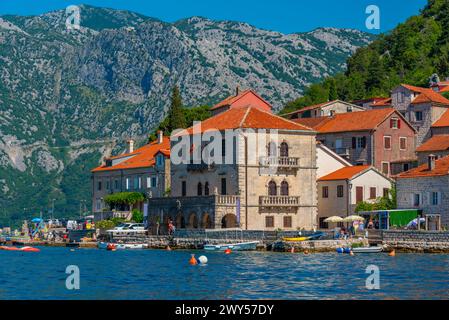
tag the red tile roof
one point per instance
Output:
(311, 122)
(312, 107)
(247, 98)
(345, 173)
(436, 143)
(381, 103)
(250, 117)
(140, 158)
(441, 169)
(426, 95)
(443, 121)
(353, 121)
(445, 89)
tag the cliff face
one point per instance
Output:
(67, 97)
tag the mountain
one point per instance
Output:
(70, 97)
(411, 53)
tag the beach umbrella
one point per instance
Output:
(353, 218)
(334, 219)
(36, 220)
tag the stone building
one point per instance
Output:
(426, 188)
(420, 106)
(262, 175)
(146, 170)
(378, 137)
(340, 191)
(242, 99)
(324, 109)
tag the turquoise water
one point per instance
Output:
(158, 274)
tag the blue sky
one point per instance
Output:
(286, 16)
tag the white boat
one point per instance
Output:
(367, 250)
(242, 246)
(122, 246)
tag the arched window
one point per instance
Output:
(272, 188)
(206, 189)
(272, 149)
(284, 188)
(284, 149)
(200, 189)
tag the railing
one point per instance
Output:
(227, 199)
(200, 166)
(342, 151)
(278, 201)
(289, 162)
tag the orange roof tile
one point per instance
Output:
(443, 121)
(436, 143)
(244, 99)
(441, 169)
(249, 118)
(354, 121)
(382, 103)
(426, 95)
(445, 89)
(311, 122)
(345, 173)
(312, 107)
(140, 158)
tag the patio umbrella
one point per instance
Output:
(36, 220)
(353, 218)
(334, 219)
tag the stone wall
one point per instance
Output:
(421, 241)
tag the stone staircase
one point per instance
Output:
(374, 237)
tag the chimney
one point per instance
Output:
(160, 136)
(237, 91)
(130, 147)
(431, 162)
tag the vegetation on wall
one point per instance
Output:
(381, 203)
(122, 200)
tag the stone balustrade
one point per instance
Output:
(278, 201)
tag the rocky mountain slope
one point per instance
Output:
(70, 97)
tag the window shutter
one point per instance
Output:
(354, 143)
(391, 123)
(439, 198)
(399, 123)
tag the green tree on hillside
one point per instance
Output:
(410, 53)
(176, 118)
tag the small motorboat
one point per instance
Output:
(23, 249)
(374, 249)
(242, 246)
(29, 249)
(313, 236)
(121, 246)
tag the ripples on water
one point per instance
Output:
(154, 274)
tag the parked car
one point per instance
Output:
(129, 226)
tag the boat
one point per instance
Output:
(23, 249)
(373, 249)
(242, 246)
(313, 236)
(121, 246)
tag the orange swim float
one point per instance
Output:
(193, 261)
